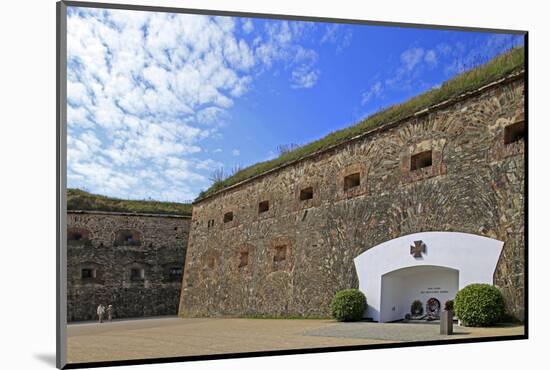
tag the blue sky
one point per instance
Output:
(158, 101)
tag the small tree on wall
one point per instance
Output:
(283, 149)
(217, 175)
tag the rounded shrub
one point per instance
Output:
(348, 305)
(479, 305)
(416, 308)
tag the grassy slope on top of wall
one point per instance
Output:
(83, 201)
(497, 68)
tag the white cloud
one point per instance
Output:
(281, 45)
(236, 152)
(330, 34)
(208, 164)
(305, 56)
(91, 140)
(247, 25)
(374, 91)
(143, 87)
(337, 35)
(444, 48)
(405, 76)
(78, 116)
(413, 61)
(303, 77)
(146, 83)
(411, 57)
(211, 115)
(238, 54)
(77, 93)
(430, 57)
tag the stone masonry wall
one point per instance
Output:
(291, 259)
(99, 265)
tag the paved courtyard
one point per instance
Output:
(173, 336)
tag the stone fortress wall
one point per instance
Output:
(283, 243)
(132, 261)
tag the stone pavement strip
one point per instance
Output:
(406, 332)
(173, 336)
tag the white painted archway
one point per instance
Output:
(473, 257)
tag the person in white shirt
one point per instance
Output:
(100, 312)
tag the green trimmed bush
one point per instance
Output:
(417, 308)
(479, 305)
(348, 305)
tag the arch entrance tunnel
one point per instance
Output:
(431, 285)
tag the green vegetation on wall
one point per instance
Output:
(83, 201)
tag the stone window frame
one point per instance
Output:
(242, 263)
(352, 180)
(92, 273)
(263, 197)
(196, 218)
(145, 271)
(233, 222)
(418, 160)
(350, 169)
(208, 271)
(209, 257)
(211, 223)
(136, 235)
(137, 273)
(306, 203)
(279, 257)
(512, 129)
(275, 245)
(264, 206)
(306, 193)
(169, 277)
(97, 270)
(499, 149)
(228, 217)
(280, 253)
(85, 233)
(437, 167)
(250, 250)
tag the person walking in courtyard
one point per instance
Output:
(100, 312)
(110, 312)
